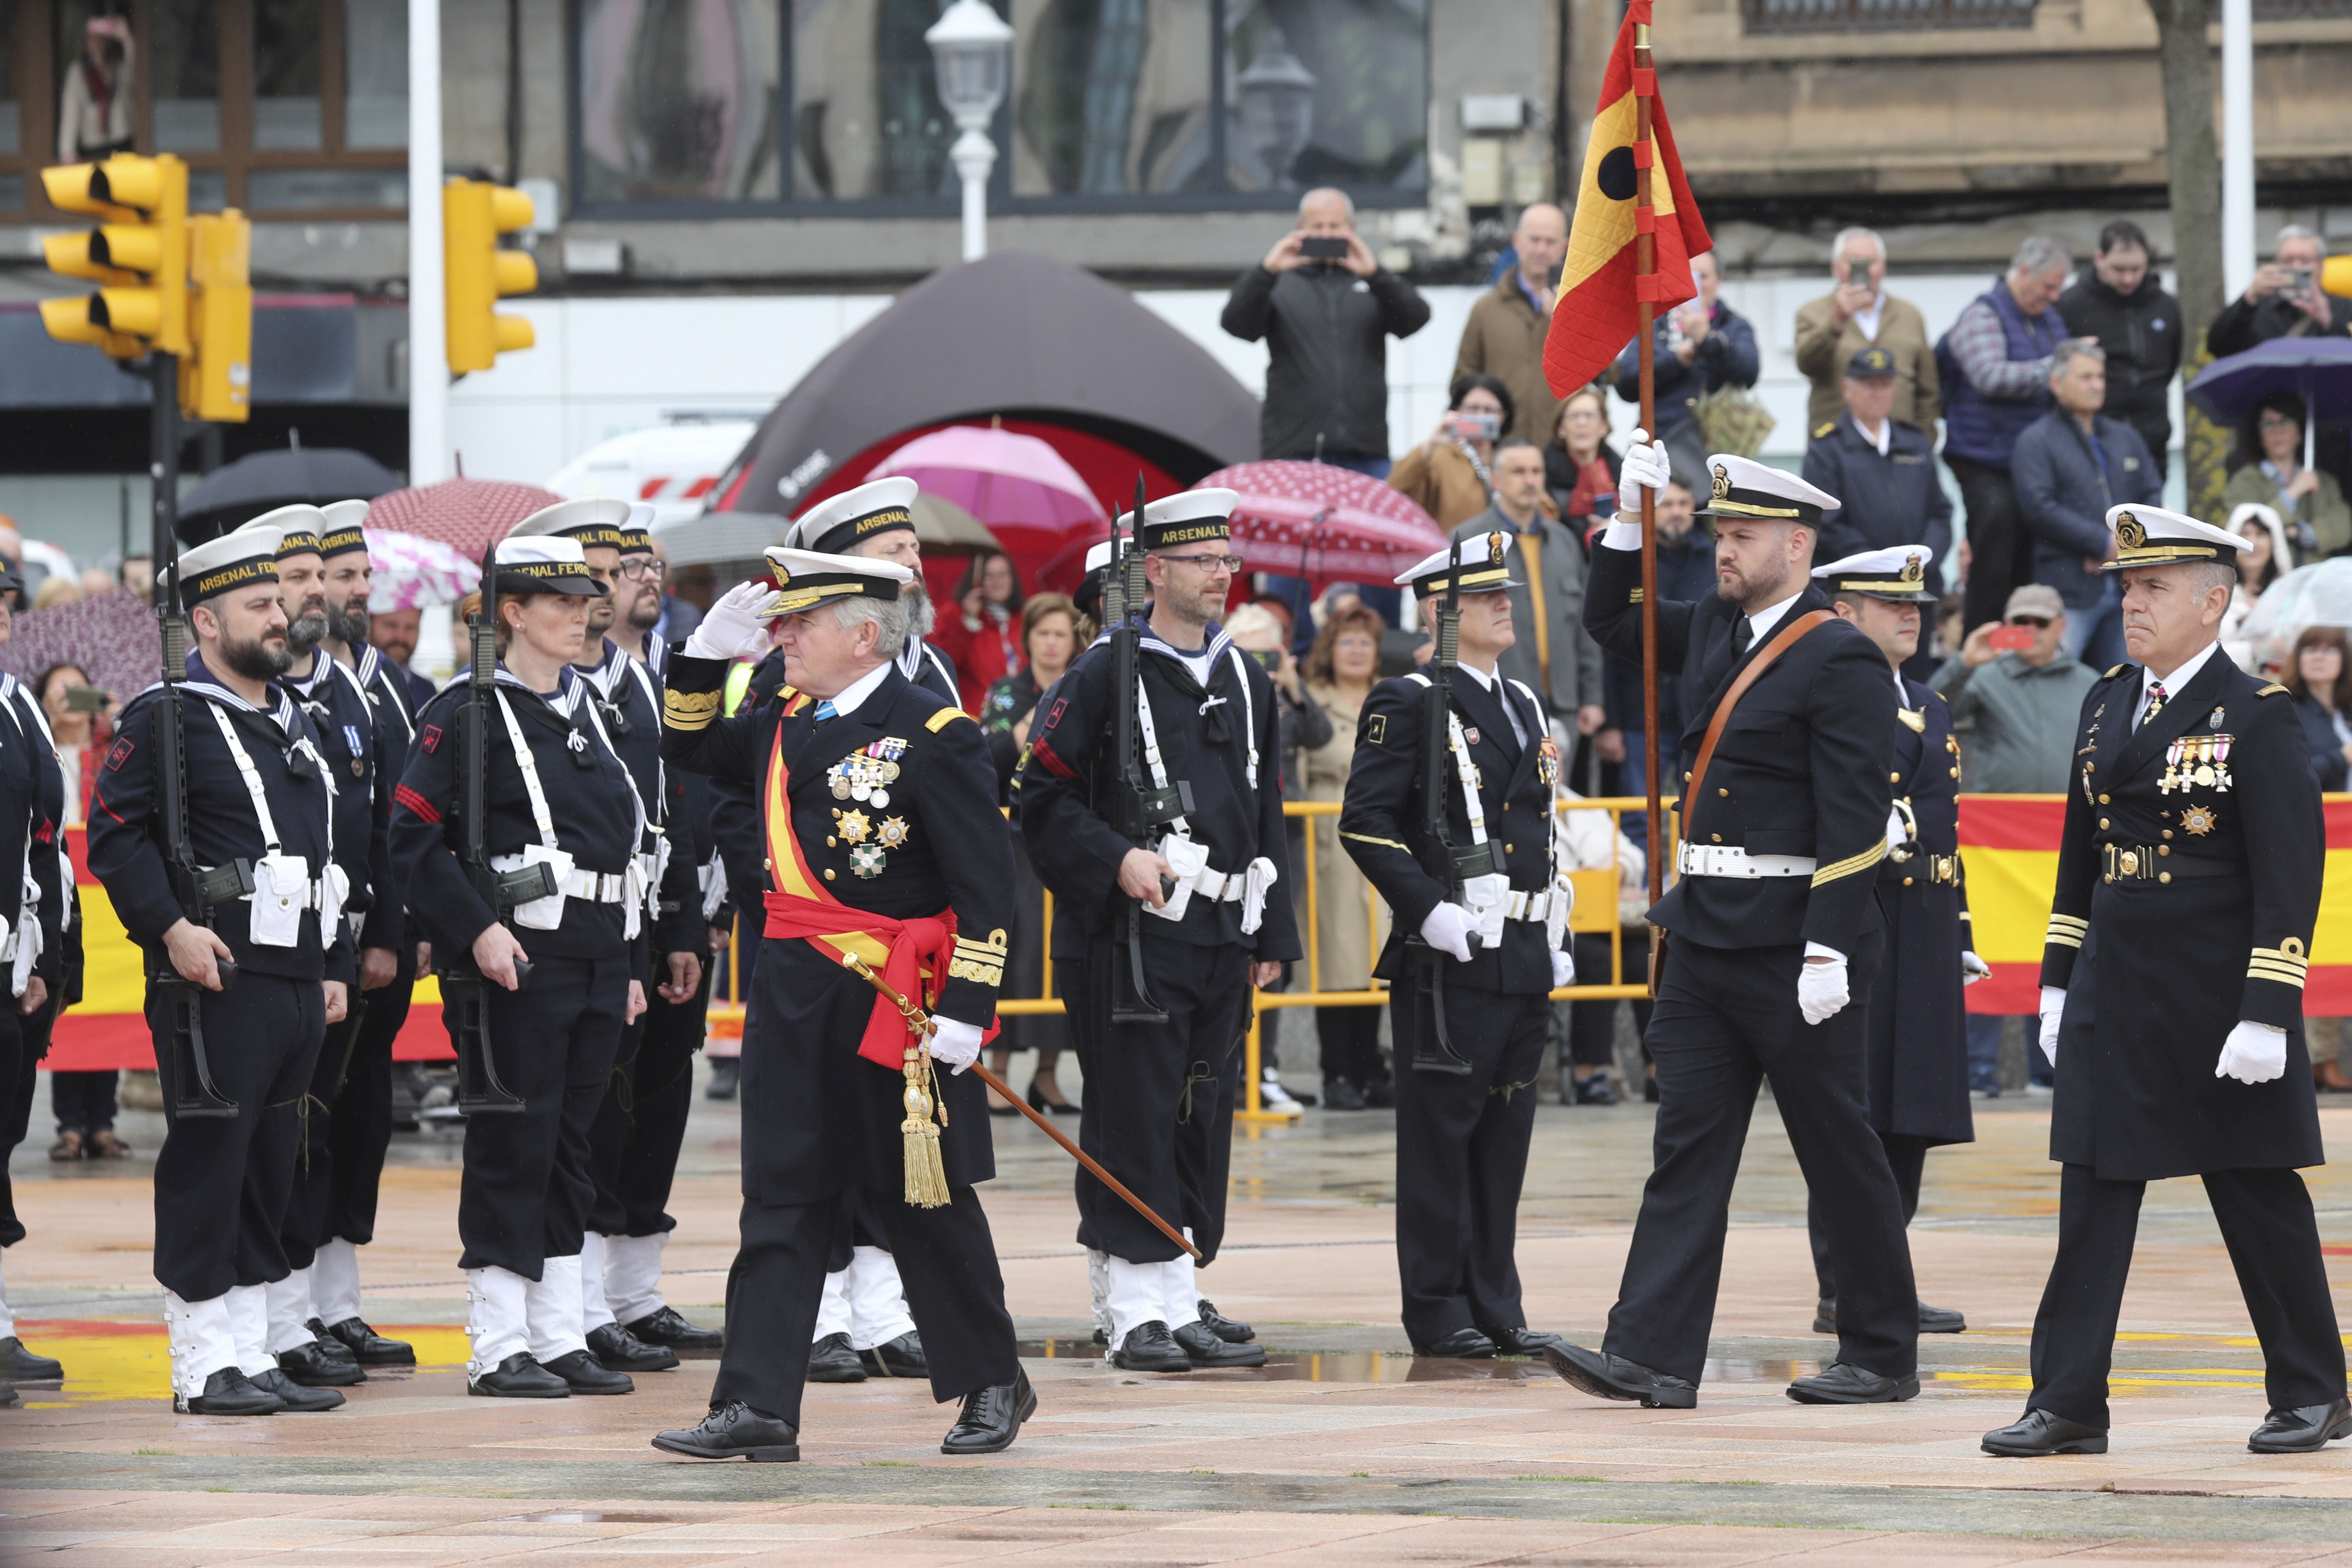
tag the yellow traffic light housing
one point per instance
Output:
(479, 274)
(217, 376)
(140, 252)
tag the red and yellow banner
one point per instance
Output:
(2009, 846)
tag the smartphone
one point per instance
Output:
(2298, 280)
(2011, 640)
(1324, 248)
(87, 699)
(1268, 658)
(1857, 270)
(1479, 426)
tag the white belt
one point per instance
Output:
(597, 886)
(1730, 860)
(1219, 887)
(1534, 908)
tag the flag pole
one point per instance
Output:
(1645, 260)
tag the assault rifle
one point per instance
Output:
(1136, 807)
(1432, 1049)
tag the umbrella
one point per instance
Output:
(2319, 595)
(945, 529)
(236, 493)
(2317, 370)
(717, 538)
(1324, 523)
(468, 515)
(1022, 491)
(406, 571)
(110, 637)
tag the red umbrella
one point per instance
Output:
(466, 515)
(1325, 524)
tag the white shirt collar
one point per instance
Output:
(1868, 317)
(2176, 683)
(859, 689)
(1765, 619)
(1882, 440)
(1486, 677)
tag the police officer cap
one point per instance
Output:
(1743, 489)
(804, 579)
(340, 530)
(1486, 567)
(638, 534)
(237, 559)
(1189, 517)
(594, 522)
(833, 525)
(1898, 573)
(2151, 536)
(544, 563)
(1870, 363)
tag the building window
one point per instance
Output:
(690, 108)
(1881, 15)
(278, 106)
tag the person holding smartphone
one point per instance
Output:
(1451, 475)
(1859, 313)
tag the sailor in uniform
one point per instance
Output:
(1883, 472)
(1772, 937)
(1919, 1041)
(256, 888)
(558, 795)
(876, 522)
(884, 843)
(1466, 1112)
(1159, 1095)
(2172, 976)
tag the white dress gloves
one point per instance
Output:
(733, 626)
(1972, 968)
(2053, 1004)
(1447, 928)
(1822, 987)
(1563, 969)
(957, 1045)
(2255, 1053)
(1646, 465)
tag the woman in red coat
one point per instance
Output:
(982, 634)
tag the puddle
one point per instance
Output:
(109, 1359)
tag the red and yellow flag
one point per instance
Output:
(1594, 315)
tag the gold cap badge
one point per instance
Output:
(2128, 532)
(1722, 486)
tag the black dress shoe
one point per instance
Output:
(581, 1374)
(228, 1392)
(1842, 1383)
(617, 1350)
(7, 1395)
(1606, 1376)
(1594, 1089)
(832, 1361)
(1037, 1101)
(1380, 1093)
(367, 1347)
(519, 1376)
(735, 1431)
(1207, 1352)
(1520, 1342)
(315, 1366)
(2303, 1430)
(1941, 1321)
(991, 1417)
(18, 1364)
(901, 1357)
(1338, 1094)
(1462, 1344)
(666, 1327)
(2041, 1433)
(1232, 1330)
(1826, 1315)
(726, 1076)
(294, 1395)
(1149, 1347)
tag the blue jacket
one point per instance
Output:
(2327, 762)
(1983, 425)
(2064, 493)
(1726, 357)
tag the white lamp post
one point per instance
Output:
(972, 48)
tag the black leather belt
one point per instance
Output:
(2157, 863)
(1936, 870)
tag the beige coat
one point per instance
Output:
(1822, 351)
(1344, 942)
(1504, 339)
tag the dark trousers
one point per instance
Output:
(608, 1135)
(1725, 1020)
(1906, 1156)
(661, 1094)
(358, 1120)
(946, 1259)
(526, 1190)
(2266, 1222)
(222, 1183)
(1460, 1155)
(20, 1065)
(1592, 1026)
(83, 1103)
(2001, 547)
(1159, 1110)
(1347, 1042)
(311, 1195)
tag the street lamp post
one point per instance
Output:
(972, 48)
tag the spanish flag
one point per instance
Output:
(1593, 316)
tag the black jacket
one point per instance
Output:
(1685, 571)
(1889, 501)
(1326, 384)
(624, 691)
(2141, 334)
(2243, 323)
(1916, 1034)
(2327, 764)
(338, 708)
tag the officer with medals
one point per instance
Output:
(1466, 1112)
(235, 1045)
(560, 967)
(1772, 936)
(359, 1107)
(1918, 1043)
(1158, 1002)
(876, 523)
(884, 844)
(670, 944)
(2172, 975)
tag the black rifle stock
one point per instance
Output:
(1432, 1049)
(1136, 807)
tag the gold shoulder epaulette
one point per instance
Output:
(945, 717)
(1635, 597)
(2271, 691)
(2113, 673)
(1825, 429)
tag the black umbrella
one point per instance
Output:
(238, 492)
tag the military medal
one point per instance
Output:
(867, 860)
(2197, 821)
(892, 834)
(850, 824)
(1548, 762)
(2216, 719)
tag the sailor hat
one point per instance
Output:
(339, 533)
(804, 579)
(1188, 517)
(636, 535)
(237, 559)
(1897, 573)
(544, 563)
(593, 522)
(1486, 567)
(2151, 536)
(835, 523)
(1741, 488)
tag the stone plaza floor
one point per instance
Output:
(1344, 1450)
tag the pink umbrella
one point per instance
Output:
(407, 570)
(1026, 492)
(1324, 523)
(112, 639)
(468, 515)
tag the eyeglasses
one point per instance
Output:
(2280, 422)
(2037, 622)
(644, 569)
(1209, 564)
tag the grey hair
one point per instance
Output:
(2040, 253)
(2204, 574)
(1346, 200)
(1837, 245)
(2297, 231)
(2067, 352)
(890, 618)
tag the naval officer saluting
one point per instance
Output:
(2189, 880)
(1774, 939)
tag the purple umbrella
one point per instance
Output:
(2317, 370)
(112, 638)
(1003, 477)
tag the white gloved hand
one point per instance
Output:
(733, 626)
(1563, 969)
(1447, 928)
(1972, 968)
(2255, 1053)
(1645, 465)
(957, 1045)
(1822, 989)
(1897, 833)
(2053, 1006)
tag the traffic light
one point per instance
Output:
(140, 253)
(474, 212)
(2336, 276)
(216, 374)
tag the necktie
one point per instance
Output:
(1743, 632)
(2155, 702)
(825, 710)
